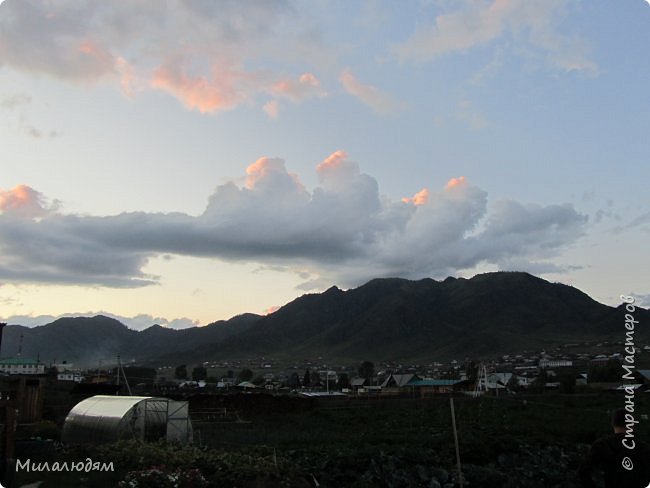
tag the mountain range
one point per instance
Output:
(384, 319)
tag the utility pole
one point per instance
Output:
(453, 424)
(121, 370)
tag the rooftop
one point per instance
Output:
(19, 360)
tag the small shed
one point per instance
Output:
(104, 419)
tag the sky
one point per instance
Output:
(183, 162)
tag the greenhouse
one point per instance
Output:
(104, 419)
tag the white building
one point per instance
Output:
(69, 376)
(21, 365)
(555, 363)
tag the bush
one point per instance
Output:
(45, 429)
(159, 477)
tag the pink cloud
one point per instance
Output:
(454, 182)
(271, 310)
(201, 93)
(420, 198)
(332, 161)
(272, 108)
(377, 100)
(269, 173)
(22, 201)
(307, 86)
(336, 171)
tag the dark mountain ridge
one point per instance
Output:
(489, 314)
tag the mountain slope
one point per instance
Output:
(392, 318)
(400, 319)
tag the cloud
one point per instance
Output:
(271, 309)
(222, 91)
(17, 100)
(481, 22)
(639, 222)
(420, 198)
(641, 300)
(307, 86)
(466, 112)
(272, 109)
(342, 231)
(23, 202)
(377, 100)
(203, 54)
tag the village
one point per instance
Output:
(268, 404)
(40, 388)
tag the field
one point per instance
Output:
(532, 441)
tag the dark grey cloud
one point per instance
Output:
(343, 231)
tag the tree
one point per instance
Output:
(293, 381)
(139, 374)
(513, 384)
(471, 371)
(567, 382)
(199, 373)
(45, 429)
(52, 372)
(367, 371)
(344, 381)
(539, 385)
(181, 372)
(608, 372)
(245, 374)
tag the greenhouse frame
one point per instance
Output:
(104, 419)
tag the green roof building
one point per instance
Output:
(21, 365)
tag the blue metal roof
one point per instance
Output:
(433, 382)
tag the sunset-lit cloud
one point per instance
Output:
(194, 51)
(377, 100)
(307, 86)
(342, 230)
(455, 182)
(221, 91)
(420, 198)
(271, 310)
(22, 201)
(272, 109)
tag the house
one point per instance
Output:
(396, 384)
(500, 380)
(643, 376)
(428, 387)
(398, 380)
(69, 376)
(554, 363)
(21, 365)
